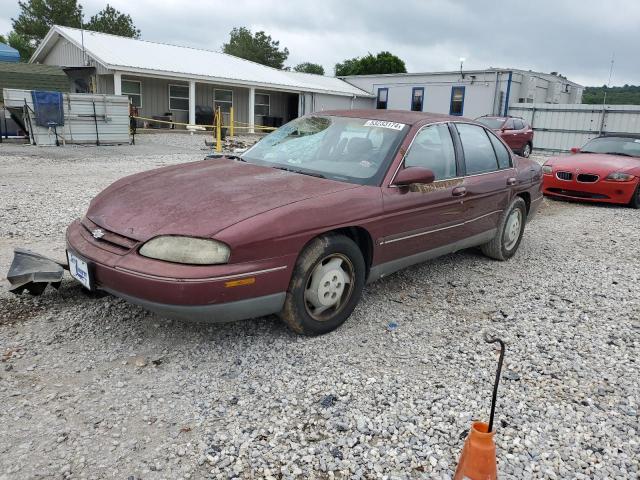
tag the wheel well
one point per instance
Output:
(363, 239)
(526, 196)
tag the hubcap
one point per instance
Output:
(527, 150)
(329, 287)
(512, 229)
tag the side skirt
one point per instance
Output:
(384, 269)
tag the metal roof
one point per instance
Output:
(545, 76)
(140, 57)
(26, 76)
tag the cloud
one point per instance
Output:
(574, 37)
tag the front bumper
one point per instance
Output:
(211, 293)
(600, 191)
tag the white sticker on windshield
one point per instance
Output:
(384, 124)
(637, 140)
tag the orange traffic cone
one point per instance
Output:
(478, 458)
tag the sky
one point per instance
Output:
(577, 38)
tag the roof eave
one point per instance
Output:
(230, 81)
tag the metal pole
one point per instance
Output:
(497, 381)
(218, 131)
(95, 122)
(231, 126)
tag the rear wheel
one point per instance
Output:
(526, 151)
(509, 234)
(635, 200)
(326, 285)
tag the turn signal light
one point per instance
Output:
(241, 282)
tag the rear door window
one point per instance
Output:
(518, 124)
(509, 125)
(479, 155)
(504, 158)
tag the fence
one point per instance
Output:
(557, 128)
(88, 118)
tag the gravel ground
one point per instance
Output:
(97, 388)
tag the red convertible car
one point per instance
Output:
(606, 169)
(300, 223)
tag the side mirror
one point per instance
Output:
(575, 149)
(412, 175)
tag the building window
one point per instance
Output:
(263, 104)
(383, 95)
(224, 100)
(133, 88)
(417, 97)
(457, 101)
(179, 97)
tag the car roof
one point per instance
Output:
(398, 116)
(500, 117)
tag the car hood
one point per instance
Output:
(201, 198)
(598, 163)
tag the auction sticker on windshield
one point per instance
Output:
(384, 124)
(79, 270)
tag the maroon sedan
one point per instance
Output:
(515, 131)
(305, 218)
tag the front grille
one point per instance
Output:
(564, 175)
(587, 178)
(110, 241)
(577, 194)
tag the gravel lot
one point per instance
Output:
(97, 388)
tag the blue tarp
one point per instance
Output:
(48, 108)
(8, 54)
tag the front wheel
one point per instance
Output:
(325, 287)
(509, 235)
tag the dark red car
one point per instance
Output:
(305, 218)
(606, 169)
(515, 131)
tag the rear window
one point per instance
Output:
(492, 123)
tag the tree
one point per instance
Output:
(308, 67)
(626, 95)
(258, 47)
(38, 16)
(113, 21)
(20, 43)
(383, 62)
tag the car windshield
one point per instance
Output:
(614, 145)
(354, 150)
(492, 123)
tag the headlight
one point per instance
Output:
(619, 177)
(547, 169)
(194, 251)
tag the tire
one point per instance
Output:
(320, 274)
(635, 200)
(507, 240)
(526, 150)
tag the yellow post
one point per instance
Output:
(218, 131)
(231, 121)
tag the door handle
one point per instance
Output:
(459, 192)
(512, 181)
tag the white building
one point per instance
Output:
(168, 79)
(471, 93)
